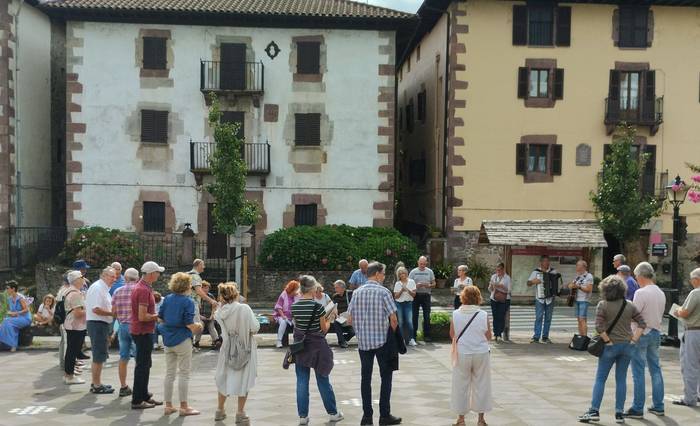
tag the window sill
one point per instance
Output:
(307, 147)
(307, 78)
(154, 73)
(537, 177)
(539, 102)
(155, 144)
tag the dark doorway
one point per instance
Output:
(614, 247)
(233, 66)
(216, 242)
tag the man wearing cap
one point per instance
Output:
(98, 307)
(82, 266)
(141, 325)
(625, 272)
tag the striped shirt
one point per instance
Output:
(302, 312)
(122, 302)
(370, 308)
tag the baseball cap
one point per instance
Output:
(624, 268)
(80, 264)
(73, 275)
(151, 266)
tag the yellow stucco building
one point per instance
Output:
(519, 127)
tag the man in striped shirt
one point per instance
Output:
(372, 310)
(121, 305)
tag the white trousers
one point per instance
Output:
(471, 384)
(282, 327)
(690, 366)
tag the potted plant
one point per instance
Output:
(442, 272)
(434, 232)
(480, 272)
(440, 325)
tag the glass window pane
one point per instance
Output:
(624, 89)
(533, 84)
(634, 90)
(544, 76)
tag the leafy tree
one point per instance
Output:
(229, 171)
(620, 205)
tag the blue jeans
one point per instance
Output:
(498, 311)
(542, 312)
(405, 314)
(324, 388)
(127, 347)
(619, 354)
(647, 352)
(581, 309)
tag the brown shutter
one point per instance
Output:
(650, 85)
(300, 129)
(307, 129)
(161, 126)
(523, 80)
(521, 159)
(559, 83)
(616, 27)
(556, 159)
(650, 28)
(314, 129)
(563, 35)
(614, 88)
(237, 117)
(519, 25)
(649, 173)
(147, 125)
(154, 53)
(308, 57)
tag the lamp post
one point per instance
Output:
(676, 193)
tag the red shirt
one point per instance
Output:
(142, 295)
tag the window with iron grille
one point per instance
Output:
(305, 214)
(307, 129)
(308, 57)
(154, 126)
(153, 216)
(154, 53)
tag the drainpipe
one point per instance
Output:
(18, 144)
(445, 131)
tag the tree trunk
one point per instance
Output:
(635, 253)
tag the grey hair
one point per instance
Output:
(583, 262)
(340, 283)
(422, 258)
(362, 261)
(644, 269)
(620, 257)
(107, 270)
(464, 268)
(612, 288)
(401, 270)
(308, 283)
(131, 274)
(116, 265)
(374, 268)
(197, 262)
(695, 273)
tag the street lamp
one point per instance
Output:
(676, 193)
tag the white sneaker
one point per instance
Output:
(412, 343)
(73, 381)
(336, 417)
(304, 420)
(279, 345)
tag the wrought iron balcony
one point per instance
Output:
(653, 184)
(256, 155)
(235, 77)
(649, 112)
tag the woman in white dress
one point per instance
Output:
(461, 281)
(235, 319)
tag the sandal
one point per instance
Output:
(169, 410)
(460, 422)
(220, 415)
(482, 423)
(101, 389)
(189, 411)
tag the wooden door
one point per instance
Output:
(216, 241)
(233, 66)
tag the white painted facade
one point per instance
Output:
(112, 174)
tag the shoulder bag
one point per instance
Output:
(454, 340)
(596, 346)
(297, 346)
(238, 351)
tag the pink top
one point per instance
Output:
(651, 303)
(285, 302)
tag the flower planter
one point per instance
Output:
(440, 282)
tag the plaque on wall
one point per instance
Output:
(583, 155)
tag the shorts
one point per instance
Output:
(99, 332)
(581, 309)
(127, 348)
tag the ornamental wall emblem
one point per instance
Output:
(272, 50)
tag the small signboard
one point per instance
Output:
(659, 249)
(245, 240)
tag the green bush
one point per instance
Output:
(332, 247)
(440, 319)
(101, 246)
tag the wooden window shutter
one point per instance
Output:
(519, 25)
(147, 125)
(154, 53)
(650, 85)
(237, 117)
(523, 81)
(649, 173)
(315, 129)
(614, 88)
(161, 126)
(153, 216)
(650, 28)
(556, 159)
(559, 83)
(308, 57)
(607, 149)
(616, 27)
(521, 159)
(307, 129)
(300, 129)
(563, 34)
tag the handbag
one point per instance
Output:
(500, 296)
(297, 346)
(596, 346)
(579, 342)
(454, 341)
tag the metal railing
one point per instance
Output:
(649, 112)
(21, 247)
(256, 156)
(216, 76)
(651, 184)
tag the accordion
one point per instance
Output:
(552, 283)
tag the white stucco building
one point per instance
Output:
(312, 85)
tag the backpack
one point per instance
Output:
(60, 314)
(238, 353)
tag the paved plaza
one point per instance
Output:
(533, 385)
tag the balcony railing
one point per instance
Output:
(651, 184)
(241, 77)
(649, 112)
(256, 155)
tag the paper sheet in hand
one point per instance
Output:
(329, 307)
(341, 320)
(673, 310)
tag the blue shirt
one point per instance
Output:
(370, 308)
(116, 285)
(632, 287)
(358, 278)
(177, 312)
